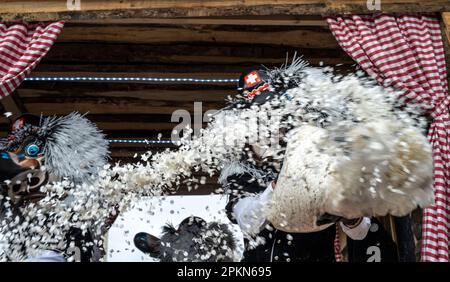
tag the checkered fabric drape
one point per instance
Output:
(22, 46)
(407, 53)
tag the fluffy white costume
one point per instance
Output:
(319, 177)
(370, 160)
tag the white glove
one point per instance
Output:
(359, 231)
(250, 211)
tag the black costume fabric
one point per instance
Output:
(279, 245)
(377, 246)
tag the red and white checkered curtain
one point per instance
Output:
(22, 46)
(407, 52)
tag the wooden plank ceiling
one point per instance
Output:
(169, 49)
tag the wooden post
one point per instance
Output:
(446, 20)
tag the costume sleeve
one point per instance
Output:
(359, 231)
(249, 211)
(238, 187)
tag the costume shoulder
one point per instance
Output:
(241, 177)
(240, 180)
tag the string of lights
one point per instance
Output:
(142, 79)
(131, 79)
(145, 141)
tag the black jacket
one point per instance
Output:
(301, 247)
(279, 245)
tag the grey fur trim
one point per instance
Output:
(236, 167)
(75, 148)
(288, 76)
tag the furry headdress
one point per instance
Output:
(70, 146)
(288, 76)
(259, 85)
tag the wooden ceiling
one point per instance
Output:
(206, 48)
(202, 39)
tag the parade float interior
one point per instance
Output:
(137, 69)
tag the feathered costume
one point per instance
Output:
(352, 152)
(69, 147)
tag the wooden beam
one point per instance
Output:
(108, 98)
(186, 56)
(144, 94)
(68, 67)
(316, 21)
(135, 126)
(446, 20)
(445, 27)
(131, 117)
(110, 106)
(297, 36)
(72, 89)
(139, 122)
(11, 10)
